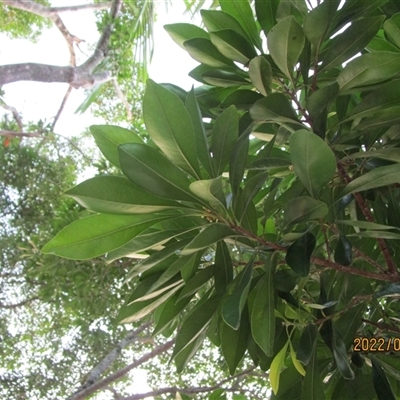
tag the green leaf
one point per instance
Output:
(381, 383)
(223, 270)
(295, 361)
(318, 21)
(195, 323)
(299, 254)
(238, 162)
(169, 125)
(313, 388)
(285, 43)
(117, 195)
(260, 73)
(276, 368)
(343, 251)
(109, 137)
(203, 51)
(233, 344)
(369, 69)
(266, 12)
(233, 45)
(378, 177)
(263, 314)
(242, 99)
(321, 99)
(151, 171)
(388, 290)
(242, 12)
(182, 32)
(195, 283)
(98, 234)
(210, 190)
(390, 154)
(274, 108)
(313, 160)
(235, 297)
(303, 209)
(223, 78)
(340, 355)
(224, 136)
(307, 343)
(350, 42)
(392, 29)
(202, 147)
(218, 20)
(365, 224)
(208, 236)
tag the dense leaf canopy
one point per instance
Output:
(267, 207)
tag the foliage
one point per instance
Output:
(17, 24)
(266, 201)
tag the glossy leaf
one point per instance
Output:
(313, 160)
(218, 20)
(303, 209)
(285, 43)
(307, 344)
(295, 361)
(392, 29)
(340, 355)
(242, 12)
(238, 162)
(350, 42)
(343, 251)
(223, 270)
(233, 45)
(235, 297)
(195, 283)
(369, 69)
(388, 290)
(389, 154)
(109, 137)
(151, 171)
(202, 147)
(223, 78)
(224, 136)
(313, 388)
(181, 32)
(381, 383)
(260, 73)
(299, 254)
(203, 51)
(98, 234)
(210, 190)
(169, 125)
(276, 368)
(117, 195)
(195, 323)
(210, 235)
(266, 12)
(263, 313)
(322, 98)
(366, 225)
(376, 178)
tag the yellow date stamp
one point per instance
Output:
(375, 344)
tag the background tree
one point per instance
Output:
(279, 228)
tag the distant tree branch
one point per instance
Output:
(81, 7)
(123, 99)
(122, 372)
(20, 304)
(15, 114)
(19, 134)
(60, 110)
(192, 390)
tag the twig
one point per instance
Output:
(60, 110)
(123, 99)
(19, 134)
(15, 114)
(22, 303)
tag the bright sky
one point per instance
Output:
(36, 100)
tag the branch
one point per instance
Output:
(19, 134)
(20, 304)
(123, 99)
(122, 372)
(60, 110)
(192, 390)
(15, 115)
(109, 359)
(93, 6)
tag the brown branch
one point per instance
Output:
(381, 326)
(192, 390)
(20, 304)
(123, 99)
(19, 134)
(15, 114)
(60, 110)
(392, 269)
(81, 7)
(122, 372)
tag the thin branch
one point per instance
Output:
(15, 114)
(20, 304)
(81, 7)
(122, 372)
(192, 390)
(19, 134)
(123, 99)
(60, 110)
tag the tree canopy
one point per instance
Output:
(263, 210)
